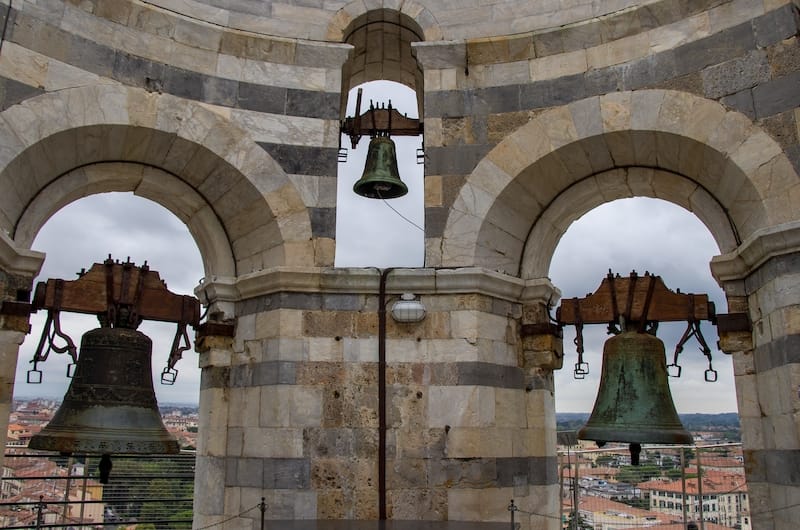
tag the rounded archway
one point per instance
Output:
(241, 207)
(127, 228)
(642, 235)
(519, 200)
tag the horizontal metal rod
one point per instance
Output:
(105, 501)
(94, 524)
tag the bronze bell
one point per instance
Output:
(110, 406)
(634, 403)
(381, 179)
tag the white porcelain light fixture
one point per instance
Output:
(408, 309)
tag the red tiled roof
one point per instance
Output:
(590, 503)
(679, 526)
(714, 482)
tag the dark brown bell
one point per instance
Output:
(634, 403)
(110, 406)
(381, 179)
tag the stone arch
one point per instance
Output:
(145, 181)
(239, 204)
(520, 199)
(381, 40)
(343, 20)
(595, 190)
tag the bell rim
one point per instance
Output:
(398, 189)
(63, 443)
(639, 434)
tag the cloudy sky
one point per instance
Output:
(632, 234)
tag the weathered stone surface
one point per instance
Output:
(736, 75)
(784, 57)
(532, 116)
(777, 96)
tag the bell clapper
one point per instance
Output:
(636, 450)
(105, 467)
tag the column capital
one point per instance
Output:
(755, 250)
(14, 260)
(440, 55)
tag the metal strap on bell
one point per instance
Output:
(634, 403)
(110, 406)
(381, 179)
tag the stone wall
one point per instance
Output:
(480, 92)
(469, 422)
(534, 112)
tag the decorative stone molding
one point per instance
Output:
(755, 250)
(365, 280)
(19, 261)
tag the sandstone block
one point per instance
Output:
(747, 396)
(472, 442)
(461, 406)
(272, 442)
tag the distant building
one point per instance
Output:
(724, 498)
(605, 514)
(22, 484)
(679, 526)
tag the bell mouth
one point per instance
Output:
(110, 405)
(634, 403)
(381, 178)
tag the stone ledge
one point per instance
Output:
(19, 261)
(755, 251)
(332, 524)
(367, 280)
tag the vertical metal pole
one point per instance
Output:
(683, 483)
(382, 394)
(575, 496)
(83, 493)
(39, 515)
(561, 488)
(700, 489)
(512, 508)
(263, 507)
(66, 490)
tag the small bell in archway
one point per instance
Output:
(381, 179)
(634, 402)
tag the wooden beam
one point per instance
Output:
(636, 298)
(138, 288)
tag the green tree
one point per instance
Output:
(578, 524)
(605, 460)
(673, 474)
(637, 474)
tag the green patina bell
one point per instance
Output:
(634, 403)
(381, 179)
(110, 406)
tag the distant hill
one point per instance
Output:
(725, 421)
(722, 421)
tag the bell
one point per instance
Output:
(634, 403)
(110, 406)
(380, 179)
